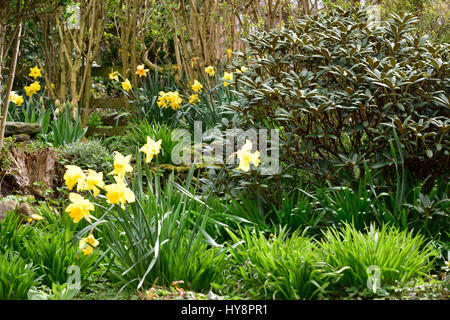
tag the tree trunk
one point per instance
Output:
(12, 71)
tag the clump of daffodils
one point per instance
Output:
(169, 98)
(116, 193)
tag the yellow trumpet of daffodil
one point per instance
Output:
(87, 244)
(119, 193)
(210, 70)
(35, 72)
(79, 208)
(151, 148)
(74, 175)
(121, 165)
(141, 71)
(197, 86)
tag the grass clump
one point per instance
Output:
(398, 255)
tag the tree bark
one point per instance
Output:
(12, 71)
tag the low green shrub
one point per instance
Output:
(56, 292)
(65, 129)
(13, 233)
(279, 266)
(294, 209)
(90, 154)
(348, 205)
(398, 255)
(54, 253)
(336, 87)
(16, 277)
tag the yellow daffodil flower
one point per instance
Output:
(119, 193)
(162, 100)
(52, 85)
(229, 51)
(74, 175)
(169, 98)
(29, 91)
(87, 244)
(126, 85)
(197, 86)
(16, 99)
(93, 181)
(242, 70)
(36, 86)
(210, 70)
(79, 208)
(121, 165)
(194, 99)
(246, 157)
(35, 72)
(36, 217)
(175, 100)
(228, 77)
(141, 71)
(33, 88)
(114, 75)
(88, 250)
(151, 148)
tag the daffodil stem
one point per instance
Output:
(202, 211)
